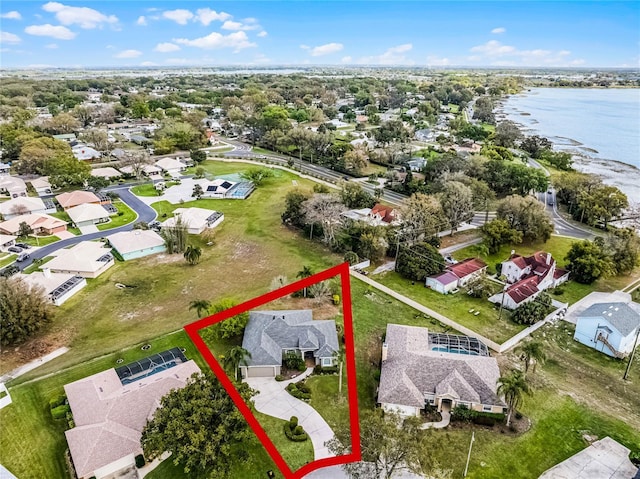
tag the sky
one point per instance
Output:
(97, 33)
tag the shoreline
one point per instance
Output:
(612, 172)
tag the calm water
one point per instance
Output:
(598, 125)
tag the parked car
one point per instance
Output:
(14, 249)
(23, 257)
(449, 260)
(23, 245)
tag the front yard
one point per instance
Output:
(124, 216)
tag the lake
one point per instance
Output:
(600, 127)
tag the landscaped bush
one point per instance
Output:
(57, 401)
(140, 462)
(464, 414)
(293, 431)
(279, 377)
(293, 361)
(60, 412)
(325, 370)
(297, 392)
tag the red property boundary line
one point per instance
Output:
(341, 270)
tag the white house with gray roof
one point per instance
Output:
(610, 328)
(442, 370)
(271, 334)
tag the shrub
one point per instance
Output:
(293, 360)
(60, 412)
(518, 415)
(57, 401)
(293, 421)
(120, 213)
(297, 393)
(293, 431)
(279, 377)
(304, 388)
(463, 413)
(325, 370)
(140, 460)
(558, 291)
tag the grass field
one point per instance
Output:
(457, 307)
(62, 215)
(6, 259)
(128, 216)
(146, 189)
(36, 266)
(40, 240)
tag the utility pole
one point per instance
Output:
(466, 468)
(504, 293)
(633, 352)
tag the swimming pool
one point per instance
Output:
(445, 349)
(148, 372)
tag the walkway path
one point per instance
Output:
(274, 401)
(444, 422)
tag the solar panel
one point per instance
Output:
(65, 287)
(105, 258)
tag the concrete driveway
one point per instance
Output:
(274, 401)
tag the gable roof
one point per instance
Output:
(523, 289)
(269, 332)
(75, 198)
(86, 256)
(34, 220)
(128, 241)
(106, 172)
(386, 213)
(622, 316)
(169, 164)
(87, 212)
(467, 267)
(110, 416)
(445, 278)
(31, 204)
(413, 369)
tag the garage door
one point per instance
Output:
(261, 372)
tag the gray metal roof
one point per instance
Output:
(622, 316)
(269, 332)
(412, 369)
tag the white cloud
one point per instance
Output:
(393, 56)
(180, 61)
(142, 21)
(180, 16)
(148, 64)
(305, 47)
(346, 59)
(235, 26)
(6, 37)
(499, 30)
(214, 40)
(166, 47)
(326, 49)
(128, 54)
(206, 16)
(87, 18)
(260, 58)
(40, 66)
(48, 30)
(496, 54)
(12, 15)
(436, 61)
(51, 46)
(262, 34)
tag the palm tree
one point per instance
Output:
(201, 306)
(236, 357)
(305, 272)
(192, 254)
(512, 387)
(532, 351)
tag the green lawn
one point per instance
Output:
(7, 259)
(36, 266)
(62, 215)
(457, 307)
(332, 406)
(297, 454)
(146, 189)
(40, 240)
(128, 216)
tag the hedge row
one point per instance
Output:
(325, 370)
(299, 390)
(463, 413)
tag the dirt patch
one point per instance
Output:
(243, 249)
(460, 237)
(165, 258)
(34, 349)
(324, 310)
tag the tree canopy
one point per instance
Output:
(24, 309)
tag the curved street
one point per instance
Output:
(145, 213)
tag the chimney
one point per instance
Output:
(46, 272)
(384, 351)
(548, 258)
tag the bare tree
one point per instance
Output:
(136, 160)
(324, 209)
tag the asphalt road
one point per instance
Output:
(145, 213)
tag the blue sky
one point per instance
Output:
(163, 33)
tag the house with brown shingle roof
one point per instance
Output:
(420, 368)
(528, 276)
(457, 275)
(110, 411)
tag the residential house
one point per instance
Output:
(7, 241)
(151, 171)
(271, 334)
(417, 164)
(67, 137)
(78, 197)
(12, 186)
(42, 186)
(420, 368)
(110, 409)
(457, 275)
(424, 135)
(217, 188)
(171, 166)
(108, 173)
(527, 277)
(85, 153)
(379, 215)
(24, 206)
(59, 287)
(41, 224)
(611, 328)
(4, 169)
(196, 219)
(88, 259)
(136, 243)
(88, 214)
